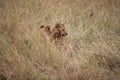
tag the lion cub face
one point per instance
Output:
(61, 30)
(45, 29)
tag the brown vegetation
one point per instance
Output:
(93, 28)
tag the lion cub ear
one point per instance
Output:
(57, 25)
(42, 26)
(47, 28)
(63, 24)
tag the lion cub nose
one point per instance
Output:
(64, 34)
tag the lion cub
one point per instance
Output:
(57, 34)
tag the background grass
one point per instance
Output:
(93, 29)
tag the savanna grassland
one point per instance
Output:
(93, 28)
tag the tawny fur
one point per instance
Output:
(56, 34)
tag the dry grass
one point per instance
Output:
(93, 27)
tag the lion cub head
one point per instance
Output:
(61, 29)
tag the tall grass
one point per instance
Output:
(93, 30)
